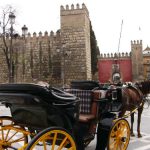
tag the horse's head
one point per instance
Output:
(144, 86)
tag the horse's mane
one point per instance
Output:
(135, 89)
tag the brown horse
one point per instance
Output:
(132, 98)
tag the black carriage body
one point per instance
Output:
(39, 107)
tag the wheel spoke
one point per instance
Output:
(116, 146)
(123, 143)
(62, 143)
(7, 135)
(112, 144)
(44, 144)
(17, 140)
(119, 135)
(2, 134)
(54, 138)
(54, 141)
(120, 146)
(8, 131)
(114, 134)
(11, 134)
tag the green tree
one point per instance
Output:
(94, 51)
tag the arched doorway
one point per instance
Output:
(116, 77)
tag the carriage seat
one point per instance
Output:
(88, 105)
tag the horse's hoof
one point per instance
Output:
(139, 135)
(132, 134)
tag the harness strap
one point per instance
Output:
(129, 114)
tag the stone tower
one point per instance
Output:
(137, 60)
(75, 33)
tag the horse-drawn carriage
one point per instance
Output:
(49, 118)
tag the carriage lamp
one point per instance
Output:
(24, 31)
(114, 95)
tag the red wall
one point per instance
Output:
(105, 69)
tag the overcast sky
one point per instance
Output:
(106, 17)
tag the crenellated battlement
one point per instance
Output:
(115, 55)
(138, 42)
(43, 36)
(73, 10)
(52, 34)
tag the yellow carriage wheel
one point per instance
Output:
(119, 135)
(11, 135)
(53, 138)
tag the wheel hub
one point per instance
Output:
(123, 139)
(4, 144)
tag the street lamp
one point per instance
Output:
(64, 53)
(24, 33)
(12, 18)
(11, 72)
(63, 64)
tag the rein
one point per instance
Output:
(133, 111)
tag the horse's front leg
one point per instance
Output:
(140, 110)
(132, 121)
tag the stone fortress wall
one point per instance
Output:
(115, 55)
(57, 58)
